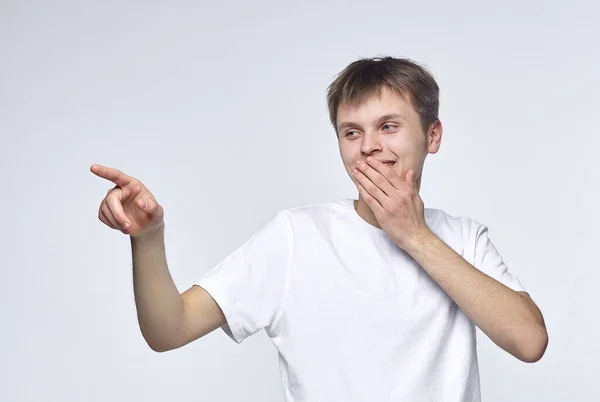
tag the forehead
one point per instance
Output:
(387, 101)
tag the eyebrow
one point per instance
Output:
(376, 122)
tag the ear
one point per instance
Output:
(434, 137)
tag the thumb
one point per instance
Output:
(156, 213)
(142, 204)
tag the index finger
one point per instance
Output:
(114, 175)
(387, 172)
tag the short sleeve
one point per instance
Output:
(487, 259)
(250, 283)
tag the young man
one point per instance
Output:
(374, 299)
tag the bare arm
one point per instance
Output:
(158, 302)
(167, 319)
(510, 319)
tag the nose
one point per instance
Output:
(371, 142)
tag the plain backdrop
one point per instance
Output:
(219, 108)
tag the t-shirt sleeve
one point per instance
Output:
(250, 283)
(487, 259)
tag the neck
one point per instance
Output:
(365, 212)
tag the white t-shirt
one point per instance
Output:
(352, 315)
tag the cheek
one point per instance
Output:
(407, 146)
(349, 156)
(409, 154)
(403, 141)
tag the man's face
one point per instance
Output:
(389, 129)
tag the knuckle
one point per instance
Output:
(116, 191)
(111, 198)
(103, 219)
(104, 208)
(137, 186)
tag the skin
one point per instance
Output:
(168, 320)
(386, 127)
(389, 196)
(401, 139)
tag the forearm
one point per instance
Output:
(507, 318)
(158, 302)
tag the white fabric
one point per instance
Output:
(353, 316)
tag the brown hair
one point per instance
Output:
(367, 76)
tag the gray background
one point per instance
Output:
(220, 110)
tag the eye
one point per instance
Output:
(390, 126)
(349, 133)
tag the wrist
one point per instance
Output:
(149, 235)
(419, 240)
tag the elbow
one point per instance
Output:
(161, 341)
(533, 347)
(159, 346)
